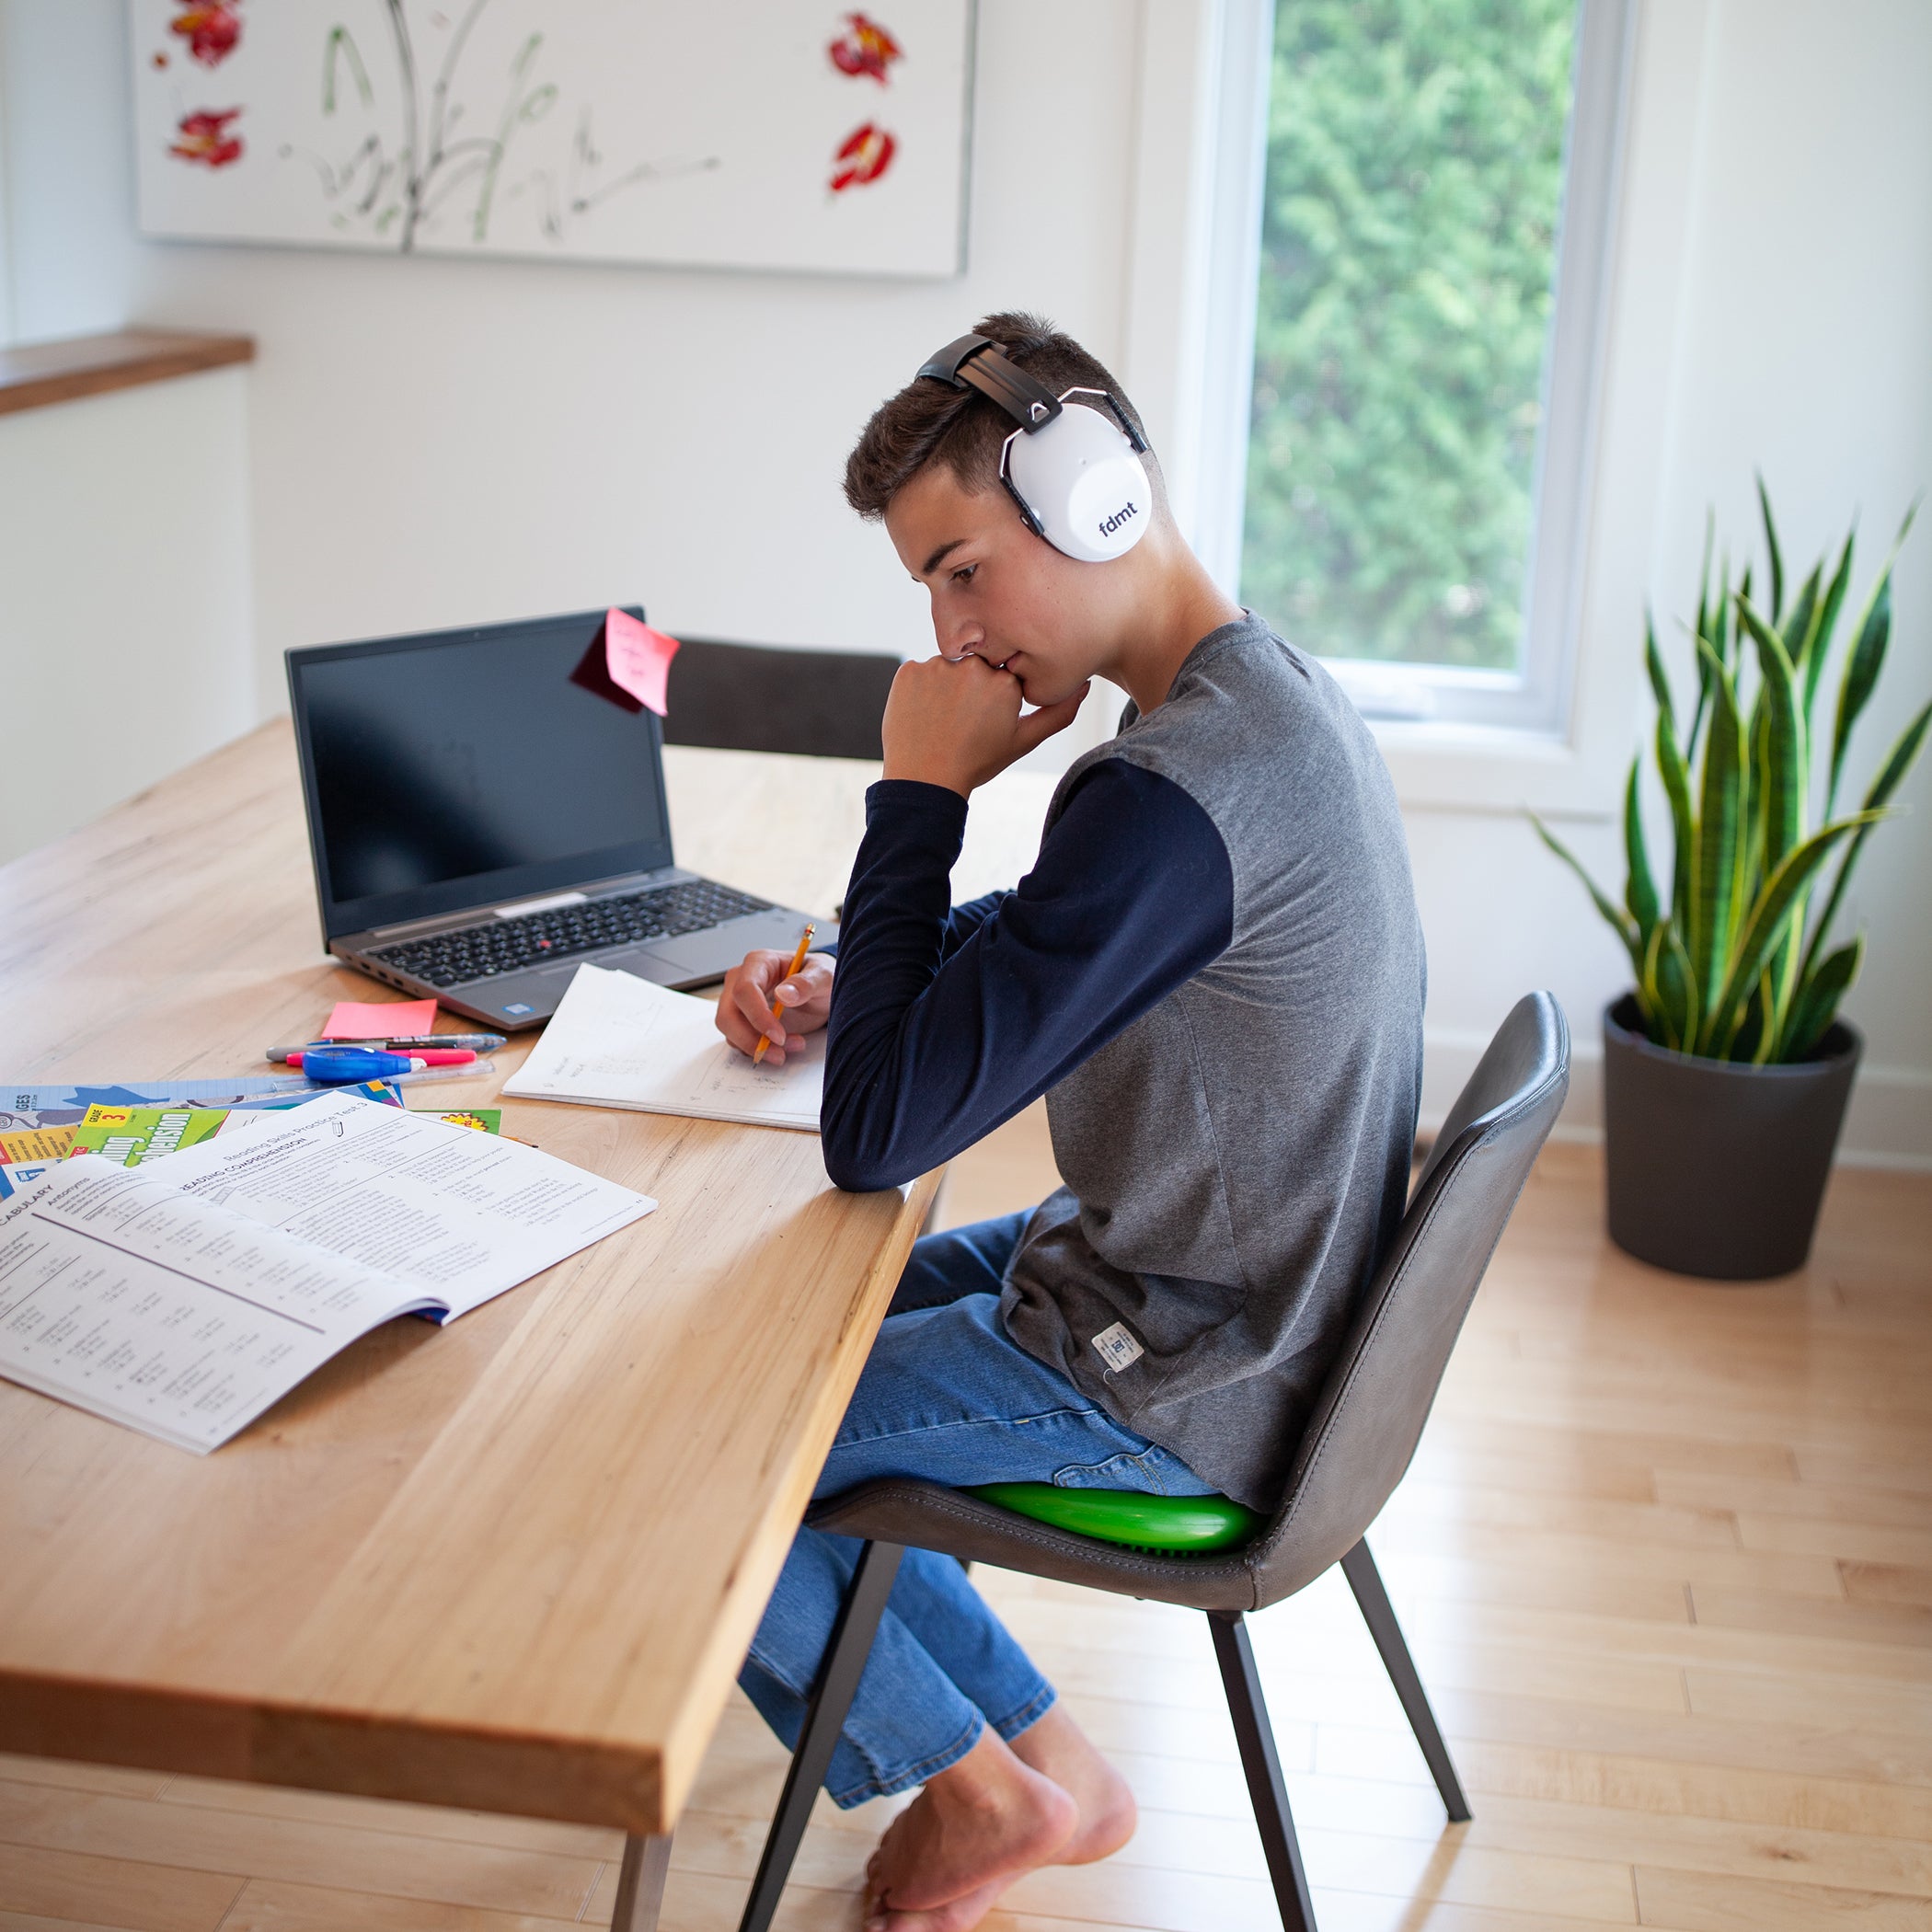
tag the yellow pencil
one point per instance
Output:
(797, 960)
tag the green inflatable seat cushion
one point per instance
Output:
(1180, 1525)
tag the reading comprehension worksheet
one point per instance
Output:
(123, 1295)
(184, 1296)
(460, 1215)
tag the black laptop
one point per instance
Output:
(486, 813)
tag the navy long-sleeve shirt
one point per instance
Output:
(946, 1020)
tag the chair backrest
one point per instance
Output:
(751, 697)
(1365, 1429)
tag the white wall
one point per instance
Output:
(124, 631)
(436, 442)
(433, 443)
(1771, 306)
(6, 286)
(1805, 345)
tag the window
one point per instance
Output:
(1435, 216)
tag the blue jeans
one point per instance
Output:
(947, 1397)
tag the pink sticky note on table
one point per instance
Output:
(380, 1019)
(638, 658)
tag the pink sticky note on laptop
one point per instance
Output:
(380, 1019)
(638, 658)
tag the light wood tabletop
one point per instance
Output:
(511, 1564)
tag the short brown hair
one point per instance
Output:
(930, 421)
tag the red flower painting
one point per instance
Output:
(865, 47)
(211, 27)
(866, 155)
(203, 138)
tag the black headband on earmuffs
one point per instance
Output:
(1083, 488)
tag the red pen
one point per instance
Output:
(430, 1057)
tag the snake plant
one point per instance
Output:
(1729, 953)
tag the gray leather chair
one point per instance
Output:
(1357, 1446)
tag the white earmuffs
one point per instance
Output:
(1074, 469)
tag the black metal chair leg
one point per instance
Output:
(1366, 1581)
(1263, 1762)
(844, 1665)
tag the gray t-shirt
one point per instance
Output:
(1235, 1159)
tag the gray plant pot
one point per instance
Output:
(1717, 1170)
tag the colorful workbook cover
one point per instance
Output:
(129, 1135)
(52, 1103)
(385, 1091)
(37, 1143)
(485, 1119)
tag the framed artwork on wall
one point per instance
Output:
(723, 133)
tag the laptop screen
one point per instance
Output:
(463, 768)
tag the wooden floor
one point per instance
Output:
(1665, 1559)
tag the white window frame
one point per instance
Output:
(1539, 700)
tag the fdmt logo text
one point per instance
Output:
(1108, 524)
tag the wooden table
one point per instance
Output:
(512, 1564)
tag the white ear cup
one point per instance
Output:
(1082, 478)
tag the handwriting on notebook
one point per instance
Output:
(616, 1041)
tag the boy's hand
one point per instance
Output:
(955, 721)
(744, 1007)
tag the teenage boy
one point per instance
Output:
(1214, 973)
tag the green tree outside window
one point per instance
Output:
(1414, 180)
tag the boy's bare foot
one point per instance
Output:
(905, 1894)
(974, 1828)
(958, 1917)
(1057, 1748)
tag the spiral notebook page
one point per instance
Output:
(617, 1040)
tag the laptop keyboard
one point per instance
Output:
(500, 946)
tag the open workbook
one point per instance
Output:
(617, 1040)
(184, 1296)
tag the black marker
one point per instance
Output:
(477, 1042)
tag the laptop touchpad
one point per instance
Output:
(712, 953)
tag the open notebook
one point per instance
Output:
(183, 1296)
(617, 1040)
